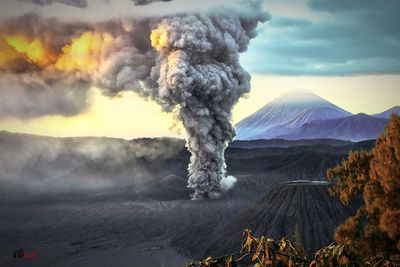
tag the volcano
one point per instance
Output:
(286, 114)
(303, 206)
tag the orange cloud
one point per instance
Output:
(159, 38)
(32, 50)
(84, 52)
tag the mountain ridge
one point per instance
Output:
(387, 113)
(353, 128)
(286, 112)
(305, 115)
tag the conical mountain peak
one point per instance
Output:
(285, 113)
(301, 97)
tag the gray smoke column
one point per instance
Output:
(199, 75)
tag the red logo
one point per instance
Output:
(22, 254)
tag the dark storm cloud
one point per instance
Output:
(349, 38)
(77, 3)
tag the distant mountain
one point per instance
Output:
(263, 143)
(386, 114)
(352, 128)
(285, 114)
(303, 115)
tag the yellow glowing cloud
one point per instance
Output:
(7, 53)
(33, 50)
(84, 52)
(159, 38)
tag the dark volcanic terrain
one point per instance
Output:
(303, 206)
(113, 202)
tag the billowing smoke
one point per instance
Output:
(198, 71)
(49, 70)
(188, 63)
(228, 183)
(29, 96)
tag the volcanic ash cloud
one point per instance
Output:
(187, 62)
(198, 71)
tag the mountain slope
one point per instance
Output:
(302, 205)
(262, 143)
(50, 165)
(171, 187)
(387, 113)
(352, 128)
(285, 113)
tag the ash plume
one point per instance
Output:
(199, 72)
(187, 63)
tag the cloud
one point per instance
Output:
(47, 64)
(77, 3)
(351, 5)
(68, 58)
(286, 22)
(102, 10)
(146, 2)
(28, 96)
(346, 39)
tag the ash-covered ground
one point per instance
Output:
(113, 202)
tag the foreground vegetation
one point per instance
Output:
(264, 252)
(373, 230)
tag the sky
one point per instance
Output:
(342, 51)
